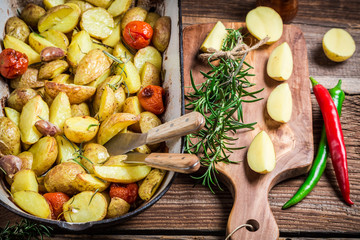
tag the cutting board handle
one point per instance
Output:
(178, 127)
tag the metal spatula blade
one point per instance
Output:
(125, 142)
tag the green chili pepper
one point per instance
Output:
(319, 164)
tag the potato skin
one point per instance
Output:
(9, 137)
(45, 152)
(49, 54)
(149, 186)
(134, 14)
(19, 97)
(150, 75)
(61, 178)
(31, 14)
(96, 153)
(17, 28)
(117, 207)
(79, 110)
(162, 30)
(28, 80)
(52, 69)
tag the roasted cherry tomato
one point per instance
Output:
(137, 34)
(56, 200)
(151, 99)
(127, 192)
(13, 63)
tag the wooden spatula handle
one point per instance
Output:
(182, 163)
(178, 127)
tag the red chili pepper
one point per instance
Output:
(137, 34)
(12, 63)
(335, 138)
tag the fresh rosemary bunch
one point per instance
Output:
(220, 99)
(26, 229)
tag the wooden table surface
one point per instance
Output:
(188, 212)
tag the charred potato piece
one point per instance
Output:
(17, 28)
(81, 129)
(31, 15)
(52, 69)
(45, 152)
(162, 30)
(28, 80)
(19, 97)
(9, 137)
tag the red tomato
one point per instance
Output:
(151, 99)
(137, 34)
(56, 200)
(127, 192)
(13, 63)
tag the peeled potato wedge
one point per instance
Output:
(280, 63)
(38, 43)
(215, 38)
(32, 111)
(113, 125)
(86, 206)
(338, 45)
(24, 179)
(18, 45)
(264, 22)
(33, 203)
(147, 54)
(122, 174)
(261, 154)
(88, 182)
(81, 129)
(97, 22)
(66, 150)
(45, 152)
(279, 103)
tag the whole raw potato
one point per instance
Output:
(61, 178)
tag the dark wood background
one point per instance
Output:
(188, 212)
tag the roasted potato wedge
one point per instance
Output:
(122, 174)
(88, 206)
(79, 110)
(57, 38)
(97, 22)
(18, 45)
(27, 159)
(147, 54)
(107, 104)
(117, 160)
(100, 3)
(133, 106)
(98, 81)
(114, 37)
(33, 203)
(81, 129)
(34, 110)
(45, 152)
(52, 3)
(151, 183)
(119, 7)
(63, 78)
(147, 121)
(151, 18)
(91, 66)
(113, 125)
(9, 137)
(131, 76)
(76, 93)
(88, 182)
(117, 207)
(28, 80)
(38, 43)
(31, 15)
(24, 179)
(94, 154)
(52, 69)
(19, 97)
(60, 110)
(113, 81)
(17, 28)
(80, 45)
(61, 178)
(66, 150)
(150, 75)
(120, 97)
(162, 30)
(13, 115)
(82, 5)
(121, 52)
(143, 149)
(134, 14)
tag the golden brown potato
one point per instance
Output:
(81, 129)
(162, 30)
(94, 154)
(147, 121)
(79, 110)
(132, 105)
(57, 38)
(45, 152)
(91, 66)
(151, 18)
(31, 15)
(128, 173)
(134, 14)
(113, 81)
(33, 203)
(27, 159)
(52, 69)
(81, 4)
(18, 45)
(114, 37)
(9, 137)
(117, 207)
(143, 149)
(19, 97)
(151, 183)
(17, 28)
(98, 81)
(41, 185)
(80, 45)
(52, 3)
(76, 93)
(100, 3)
(38, 43)
(60, 110)
(11, 165)
(67, 150)
(61, 178)
(121, 52)
(89, 182)
(28, 80)
(117, 160)
(97, 22)
(49, 54)
(147, 54)
(120, 97)
(13, 115)
(25, 179)
(63, 78)
(119, 7)
(86, 206)
(107, 104)
(150, 75)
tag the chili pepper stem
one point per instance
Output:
(313, 82)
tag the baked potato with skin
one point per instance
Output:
(117, 207)
(52, 69)
(109, 81)
(81, 129)
(52, 3)
(150, 75)
(100, 3)
(119, 7)
(96, 153)
(13, 115)
(17, 28)
(79, 110)
(88, 182)
(92, 66)
(132, 105)
(98, 81)
(120, 97)
(147, 54)
(38, 43)
(133, 14)
(28, 80)
(151, 183)
(80, 45)
(114, 37)
(162, 30)
(63, 78)
(147, 121)
(45, 152)
(33, 203)
(57, 38)
(19, 97)
(107, 104)
(31, 15)
(97, 22)
(60, 110)
(24, 179)
(18, 45)
(151, 18)
(81, 4)
(27, 159)
(61, 178)
(121, 52)
(9, 137)
(66, 150)
(76, 93)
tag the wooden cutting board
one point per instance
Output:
(293, 141)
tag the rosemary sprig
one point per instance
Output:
(92, 125)
(96, 191)
(220, 99)
(26, 229)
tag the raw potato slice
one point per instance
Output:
(60, 110)
(147, 54)
(33, 203)
(38, 43)
(86, 206)
(338, 45)
(261, 154)
(97, 22)
(122, 174)
(215, 39)
(33, 110)
(280, 63)
(45, 152)
(264, 21)
(279, 103)
(88, 182)
(119, 7)
(66, 151)
(25, 179)
(13, 115)
(18, 45)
